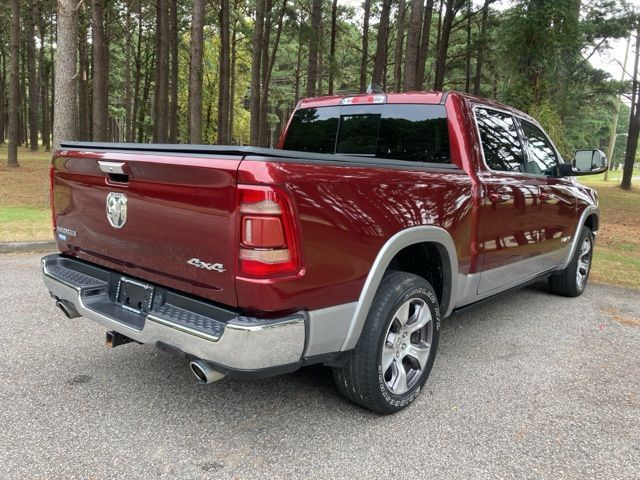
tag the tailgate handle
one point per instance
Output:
(115, 170)
(112, 167)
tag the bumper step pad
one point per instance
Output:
(170, 314)
(75, 278)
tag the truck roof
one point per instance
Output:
(414, 97)
(405, 97)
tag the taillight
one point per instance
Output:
(268, 238)
(52, 172)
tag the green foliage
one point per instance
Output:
(535, 59)
(545, 72)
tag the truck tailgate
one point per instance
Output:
(172, 216)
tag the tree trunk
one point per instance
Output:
(424, 45)
(65, 111)
(84, 115)
(52, 76)
(380, 61)
(314, 46)
(365, 46)
(100, 73)
(148, 65)
(3, 93)
(173, 47)
(481, 47)
(44, 85)
(223, 83)
(195, 73)
(467, 70)
(634, 125)
(128, 59)
(256, 57)
(268, 63)
(232, 75)
(397, 64)
(263, 126)
(296, 88)
(452, 6)
(161, 93)
(439, 32)
(137, 76)
(616, 114)
(332, 46)
(24, 98)
(14, 86)
(320, 59)
(411, 57)
(33, 77)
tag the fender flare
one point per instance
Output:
(588, 211)
(395, 244)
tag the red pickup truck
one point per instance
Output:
(377, 217)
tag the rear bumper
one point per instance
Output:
(198, 329)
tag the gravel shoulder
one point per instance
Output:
(528, 385)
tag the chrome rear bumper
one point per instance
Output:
(196, 328)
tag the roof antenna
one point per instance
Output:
(374, 88)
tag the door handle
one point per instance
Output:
(499, 197)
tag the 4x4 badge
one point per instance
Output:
(117, 209)
(216, 267)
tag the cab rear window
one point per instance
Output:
(416, 133)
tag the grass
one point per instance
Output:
(24, 197)
(24, 223)
(617, 254)
(24, 215)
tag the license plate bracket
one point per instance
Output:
(134, 295)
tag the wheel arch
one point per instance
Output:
(415, 241)
(593, 222)
(588, 218)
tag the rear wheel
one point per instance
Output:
(394, 356)
(572, 281)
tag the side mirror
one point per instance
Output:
(589, 162)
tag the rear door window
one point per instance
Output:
(500, 141)
(416, 133)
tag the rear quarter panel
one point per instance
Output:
(345, 215)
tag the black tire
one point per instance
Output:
(361, 378)
(568, 282)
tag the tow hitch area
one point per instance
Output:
(115, 339)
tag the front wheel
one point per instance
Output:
(572, 281)
(394, 356)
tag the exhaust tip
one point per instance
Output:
(198, 372)
(204, 373)
(64, 309)
(68, 309)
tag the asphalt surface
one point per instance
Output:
(526, 386)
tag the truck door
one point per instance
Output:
(557, 201)
(512, 225)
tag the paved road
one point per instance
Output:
(527, 386)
